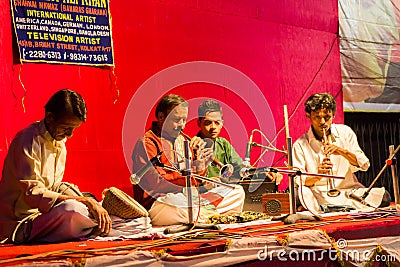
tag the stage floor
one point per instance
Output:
(347, 239)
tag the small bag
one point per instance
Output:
(118, 203)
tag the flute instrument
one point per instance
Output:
(332, 191)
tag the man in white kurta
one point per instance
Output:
(33, 206)
(337, 153)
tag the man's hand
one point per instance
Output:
(204, 156)
(275, 177)
(310, 181)
(332, 149)
(197, 143)
(209, 185)
(325, 167)
(95, 209)
(99, 214)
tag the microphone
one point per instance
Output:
(246, 160)
(209, 142)
(136, 177)
(226, 171)
(246, 172)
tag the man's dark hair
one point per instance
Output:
(208, 106)
(168, 102)
(320, 101)
(65, 102)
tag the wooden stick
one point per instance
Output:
(285, 117)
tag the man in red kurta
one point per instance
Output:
(161, 190)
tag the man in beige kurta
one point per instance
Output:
(34, 205)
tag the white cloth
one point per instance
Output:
(32, 175)
(128, 229)
(32, 172)
(306, 247)
(66, 221)
(308, 154)
(311, 198)
(70, 220)
(172, 208)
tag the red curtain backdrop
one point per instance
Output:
(252, 56)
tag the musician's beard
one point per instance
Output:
(318, 133)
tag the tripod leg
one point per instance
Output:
(207, 226)
(189, 226)
(293, 218)
(394, 176)
(182, 228)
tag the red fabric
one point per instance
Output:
(366, 229)
(214, 198)
(339, 227)
(181, 249)
(282, 47)
(157, 181)
(336, 229)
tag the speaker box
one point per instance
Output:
(276, 203)
(254, 191)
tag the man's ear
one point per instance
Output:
(49, 117)
(308, 116)
(160, 116)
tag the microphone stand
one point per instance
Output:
(299, 173)
(292, 217)
(394, 176)
(155, 161)
(196, 176)
(190, 225)
(292, 197)
(388, 162)
(269, 148)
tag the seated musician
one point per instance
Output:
(36, 206)
(161, 190)
(210, 123)
(330, 149)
